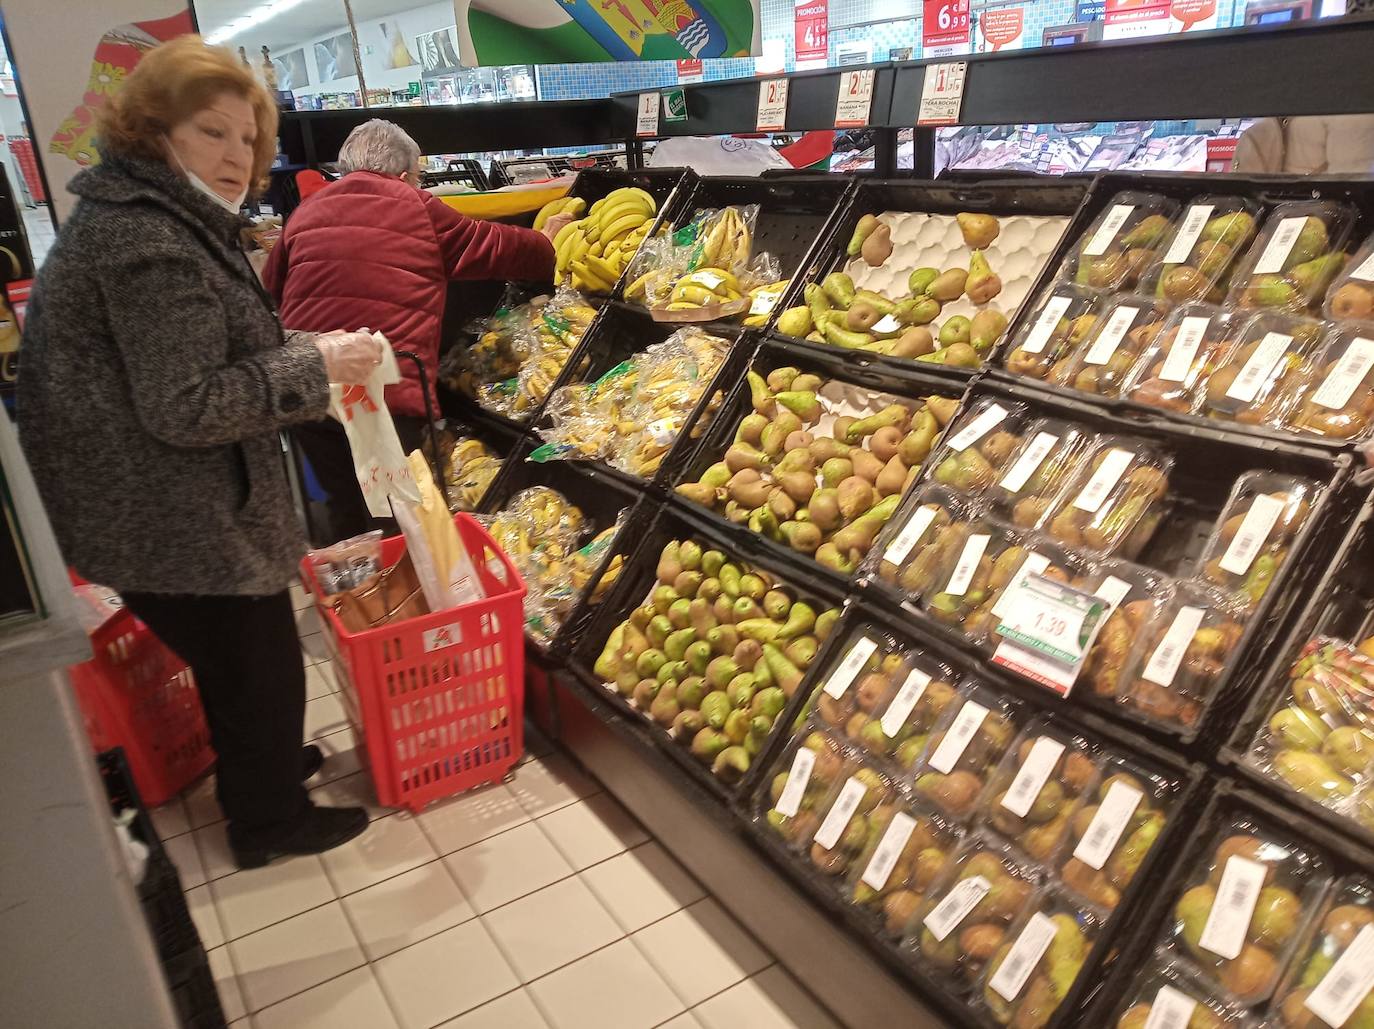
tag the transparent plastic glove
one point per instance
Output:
(350, 358)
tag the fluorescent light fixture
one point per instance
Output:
(258, 15)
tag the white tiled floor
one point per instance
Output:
(539, 903)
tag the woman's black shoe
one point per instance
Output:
(312, 760)
(316, 830)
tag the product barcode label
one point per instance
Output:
(957, 737)
(1107, 231)
(978, 428)
(1347, 984)
(962, 898)
(1241, 882)
(1113, 591)
(1032, 775)
(843, 677)
(1365, 271)
(789, 803)
(1164, 662)
(1110, 821)
(1104, 346)
(1184, 351)
(764, 302)
(1170, 1010)
(1349, 372)
(1029, 462)
(1108, 474)
(1033, 564)
(664, 431)
(1253, 532)
(916, 526)
(1260, 366)
(837, 818)
(904, 702)
(1043, 329)
(968, 564)
(1188, 233)
(1010, 977)
(889, 849)
(1280, 245)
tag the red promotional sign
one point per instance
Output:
(690, 71)
(812, 23)
(1190, 12)
(1135, 18)
(1220, 154)
(944, 28)
(1002, 26)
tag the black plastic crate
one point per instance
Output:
(498, 437)
(1341, 605)
(1200, 484)
(909, 385)
(998, 196)
(601, 497)
(1268, 192)
(641, 554)
(194, 993)
(621, 333)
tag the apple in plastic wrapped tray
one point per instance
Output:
(858, 811)
(1125, 330)
(920, 538)
(1297, 255)
(1135, 595)
(714, 653)
(1186, 351)
(1338, 397)
(801, 784)
(1050, 454)
(963, 751)
(1124, 240)
(977, 446)
(1062, 322)
(1027, 556)
(1212, 234)
(1174, 988)
(1243, 911)
(1261, 371)
(1324, 978)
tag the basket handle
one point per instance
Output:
(435, 460)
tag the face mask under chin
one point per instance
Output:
(232, 206)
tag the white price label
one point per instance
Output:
(802, 763)
(1108, 474)
(972, 554)
(838, 817)
(1241, 882)
(843, 677)
(1183, 353)
(646, 122)
(1171, 1010)
(957, 737)
(1029, 462)
(1348, 373)
(962, 898)
(1280, 245)
(1011, 975)
(1250, 537)
(1164, 662)
(1113, 591)
(709, 279)
(887, 323)
(1188, 233)
(979, 427)
(1260, 366)
(1347, 984)
(1110, 821)
(772, 116)
(855, 98)
(911, 534)
(889, 849)
(942, 94)
(1053, 619)
(1045, 324)
(764, 302)
(1104, 346)
(1033, 564)
(904, 702)
(1106, 232)
(664, 431)
(1032, 776)
(1365, 271)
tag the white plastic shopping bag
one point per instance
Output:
(380, 463)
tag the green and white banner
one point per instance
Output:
(493, 32)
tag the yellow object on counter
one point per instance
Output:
(504, 205)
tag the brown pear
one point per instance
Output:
(943, 408)
(949, 285)
(798, 485)
(824, 509)
(866, 466)
(914, 342)
(884, 442)
(892, 478)
(855, 495)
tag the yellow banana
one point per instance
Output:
(603, 269)
(575, 206)
(564, 232)
(623, 225)
(694, 294)
(683, 305)
(588, 275)
(646, 197)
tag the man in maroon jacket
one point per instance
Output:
(374, 250)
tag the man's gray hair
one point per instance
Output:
(379, 146)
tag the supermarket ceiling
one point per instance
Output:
(278, 23)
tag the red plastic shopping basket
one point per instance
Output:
(136, 694)
(437, 701)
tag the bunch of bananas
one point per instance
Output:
(728, 243)
(585, 561)
(471, 468)
(559, 331)
(574, 206)
(538, 529)
(593, 251)
(705, 287)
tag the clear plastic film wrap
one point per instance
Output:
(549, 602)
(471, 467)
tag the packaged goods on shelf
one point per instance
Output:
(1323, 986)
(1057, 328)
(1212, 235)
(1351, 297)
(1296, 256)
(1132, 233)
(470, 469)
(1180, 356)
(1125, 329)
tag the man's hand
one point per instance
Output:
(554, 224)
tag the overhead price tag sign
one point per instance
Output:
(942, 94)
(646, 122)
(855, 99)
(772, 106)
